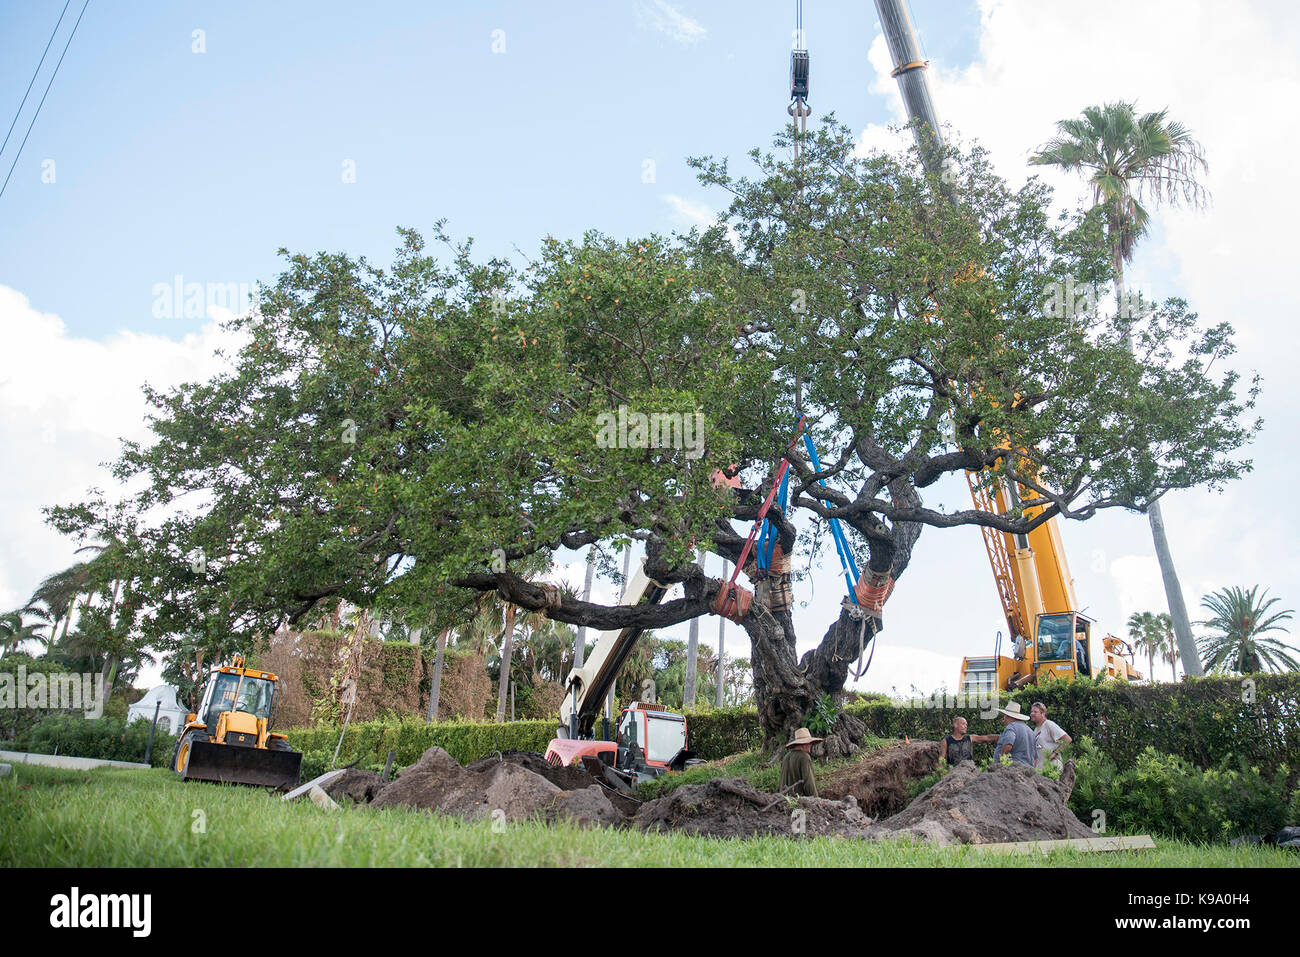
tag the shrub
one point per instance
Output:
(15, 722)
(1165, 794)
(110, 739)
(465, 741)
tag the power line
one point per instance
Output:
(43, 96)
(35, 73)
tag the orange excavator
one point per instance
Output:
(649, 740)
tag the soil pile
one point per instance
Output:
(358, 786)
(566, 779)
(519, 784)
(732, 807)
(589, 806)
(437, 782)
(969, 806)
(879, 782)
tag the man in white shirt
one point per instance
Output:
(1048, 734)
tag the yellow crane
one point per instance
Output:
(1049, 637)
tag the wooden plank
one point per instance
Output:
(1141, 842)
(302, 789)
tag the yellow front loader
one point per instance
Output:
(229, 738)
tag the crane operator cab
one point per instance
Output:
(1063, 645)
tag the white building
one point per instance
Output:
(171, 714)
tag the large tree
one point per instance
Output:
(1130, 157)
(384, 434)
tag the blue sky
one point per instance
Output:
(169, 162)
(172, 162)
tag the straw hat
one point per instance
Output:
(802, 736)
(1013, 711)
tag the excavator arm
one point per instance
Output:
(587, 687)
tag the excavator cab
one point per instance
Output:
(651, 741)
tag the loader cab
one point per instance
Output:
(1063, 645)
(651, 741)
(230, 691)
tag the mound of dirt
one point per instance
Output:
(732, 807)
(437, 782)
(879, 781)
(969, 806)
(566, 779)
(589, 806)
(359, 786)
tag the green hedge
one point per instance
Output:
(1165, 795)
(465, 741)
(110, 739)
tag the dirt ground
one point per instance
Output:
(970, 806)
(879, 781)
(732, 807)
(863, 800)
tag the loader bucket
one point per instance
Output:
(236, 765)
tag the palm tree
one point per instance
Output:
(529, 567)
(1240, 618)
(1164, 626)
(1127, 158)
(1141, 632)
(59, 592)
(14, 630)
(481, 633)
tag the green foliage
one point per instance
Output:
(14, 721)
(107, 738)
(823, 715)
(1236, 643)
(715, 733)
(1165, 795)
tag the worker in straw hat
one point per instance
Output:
(797, 767)
(1016, 740)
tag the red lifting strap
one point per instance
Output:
(728, 606)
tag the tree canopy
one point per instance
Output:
(403, 437)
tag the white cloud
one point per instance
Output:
(689, 212)
(64, 404)
(896, 669)
(668, 20)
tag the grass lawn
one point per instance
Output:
(118, 818)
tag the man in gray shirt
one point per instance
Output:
(1016, 739)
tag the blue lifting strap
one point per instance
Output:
(768, 539)
(848, 566)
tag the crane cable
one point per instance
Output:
(798, 107)
(799, 110)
